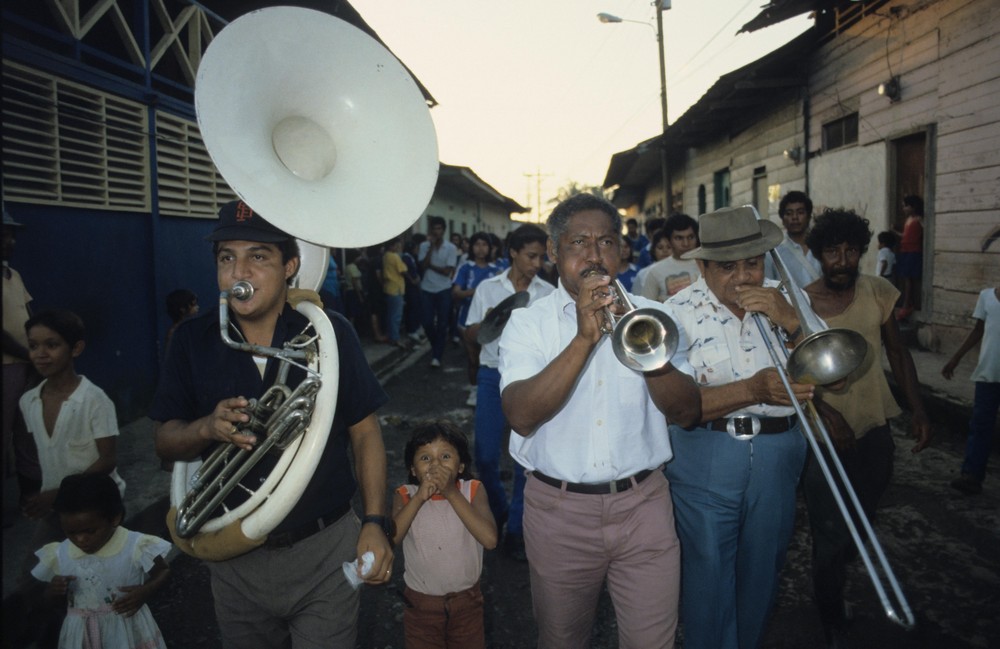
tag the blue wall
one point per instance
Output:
(114, 269)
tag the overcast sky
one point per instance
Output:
(540, 89)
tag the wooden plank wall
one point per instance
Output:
(761, 146)
(947, 54)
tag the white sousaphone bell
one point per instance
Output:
(323, 132)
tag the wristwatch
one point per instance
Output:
(386, 523)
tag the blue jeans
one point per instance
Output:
(394, 315)
(490, 429)
(984, 416)
(734, 502)
(436, 311)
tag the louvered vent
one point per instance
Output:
(188, 182)
(68, 144)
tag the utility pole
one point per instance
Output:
(538, 175)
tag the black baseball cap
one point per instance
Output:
(237, 222)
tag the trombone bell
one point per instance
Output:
(827, 356)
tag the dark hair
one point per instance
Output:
(89, 492)
(65, 323)
(481, 236)
(795, 196)
(558, 221)
(679, 222)
(525, 234)
(426, 433)
(658, 236)
(178, 302)
(887, 238)
(655, 224)
(632, 221)
(836, 226)
(915, 203)
(436, 221)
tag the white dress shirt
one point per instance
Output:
(490, 293)
(608, 428)
(803, 268)
(444, 257)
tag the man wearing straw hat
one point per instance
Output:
(734, 474)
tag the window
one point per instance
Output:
(65, 143)
(702, 200)
(840, 132)
(723, 188)
(188, 184)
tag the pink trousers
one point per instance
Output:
(577, 541)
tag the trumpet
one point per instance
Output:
(826, 356)
(643, 339)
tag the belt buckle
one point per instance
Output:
(743, 427)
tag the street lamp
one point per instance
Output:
(660, 6)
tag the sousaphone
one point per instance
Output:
(321, 130)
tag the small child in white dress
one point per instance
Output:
(103, 572)
(443, 520)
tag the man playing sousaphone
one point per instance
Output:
(291, 586)
(733, 476)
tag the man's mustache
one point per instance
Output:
(594, 270)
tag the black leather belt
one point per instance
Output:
(289, 538)
(768, 425)
(612, 487)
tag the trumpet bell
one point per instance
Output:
(645, 340)
(827, 356)
(317, 126)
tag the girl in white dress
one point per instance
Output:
(102, 572)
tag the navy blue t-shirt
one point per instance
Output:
(200, 371)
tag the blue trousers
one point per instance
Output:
(984, 416)
(734, 502)
(436, 311)
(393, 315)
(490, 428)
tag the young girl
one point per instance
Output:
(72, 420)
(470, 275)
(443, 520)
(103, 572)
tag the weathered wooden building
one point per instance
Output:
(880, 99)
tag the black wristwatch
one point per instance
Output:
(384, 522)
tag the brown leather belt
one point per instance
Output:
(768, 425)
(602, 488)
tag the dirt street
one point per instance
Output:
(943, 547)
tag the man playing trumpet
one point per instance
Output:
(593, 435)
(734, 473)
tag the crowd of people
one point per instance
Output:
(674, 486)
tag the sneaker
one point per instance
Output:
(435, 362)
(471, 401)
(967, 484)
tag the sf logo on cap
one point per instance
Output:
(243, 212)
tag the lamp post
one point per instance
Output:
(660, 6)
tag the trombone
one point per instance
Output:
(826, 356)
